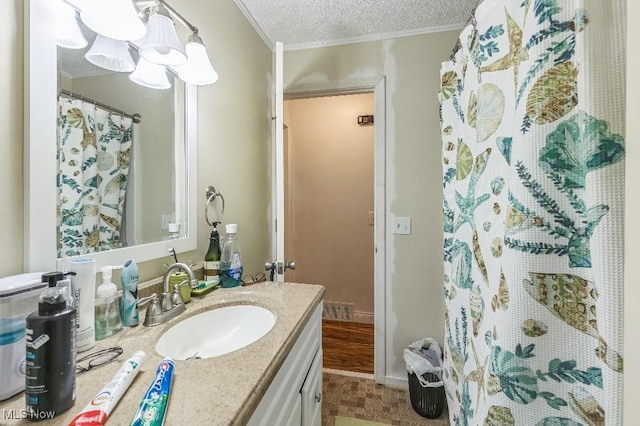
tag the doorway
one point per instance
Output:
(329, 169)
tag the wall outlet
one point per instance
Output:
(402, 225)
(166, 220)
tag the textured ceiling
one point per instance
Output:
(308, 23)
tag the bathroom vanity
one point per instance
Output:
(275, 380)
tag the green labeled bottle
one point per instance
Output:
(212, 258)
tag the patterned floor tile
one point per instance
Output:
(363, 399)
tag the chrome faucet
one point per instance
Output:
(170, 305)
(193, 282)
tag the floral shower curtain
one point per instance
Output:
(532, 120)
(94, 149)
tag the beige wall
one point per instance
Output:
(411, 65)
(233, 130)
(234, 127)
(330, 195)
(632, 230)
(11, 191)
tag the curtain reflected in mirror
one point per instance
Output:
(116, 179)
(94, 152)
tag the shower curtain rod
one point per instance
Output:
(137, 118)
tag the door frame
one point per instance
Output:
(377, 86)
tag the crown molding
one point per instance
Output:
(245, 11)
(374, 37)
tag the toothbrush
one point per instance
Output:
(173, 253)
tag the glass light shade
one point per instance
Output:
(198, 69)
(150, 75)
(161, 44)
(68, 32)
(110, 54)
(116, 19)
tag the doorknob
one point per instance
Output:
(278, 266)
(271, 267)
(283, 266)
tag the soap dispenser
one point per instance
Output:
(107, 312)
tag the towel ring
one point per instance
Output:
(212, 194)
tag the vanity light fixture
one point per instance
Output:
(117, 19)
(68, 32)
(157, 42)
(198, 69)
(150, 75)
(161, 44)
(110, 54)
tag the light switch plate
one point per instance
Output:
(166, 220)
(402, 225)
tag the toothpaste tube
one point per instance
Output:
(99, 408)
(153, 407)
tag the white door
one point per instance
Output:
(278, 261)
(278, 264)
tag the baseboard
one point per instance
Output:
(391, 382)
(396, 382)
(363, 317)
(348, 373)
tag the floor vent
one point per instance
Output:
(337, 311)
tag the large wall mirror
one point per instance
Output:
(139, 189)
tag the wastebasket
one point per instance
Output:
(424, 368)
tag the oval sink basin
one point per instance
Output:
(215, 332)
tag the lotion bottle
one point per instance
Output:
(129, 280)
(83, 289)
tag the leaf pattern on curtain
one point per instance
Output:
(94, 149)
(533, 208)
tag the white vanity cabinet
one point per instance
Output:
(295, 394)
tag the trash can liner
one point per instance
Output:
(424, 356)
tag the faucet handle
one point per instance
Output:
(144, 300)
(176, 298)
(184, 283)
(153, 309)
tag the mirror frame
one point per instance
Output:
(40, 164)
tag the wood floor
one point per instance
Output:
(347, 346)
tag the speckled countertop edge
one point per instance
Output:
(223, 390)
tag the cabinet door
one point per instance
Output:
(312, 393)
(296, 413)
(282, 400)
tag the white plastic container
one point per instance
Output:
(18, 298)
(83, 287)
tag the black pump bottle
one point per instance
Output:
(51, 348)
